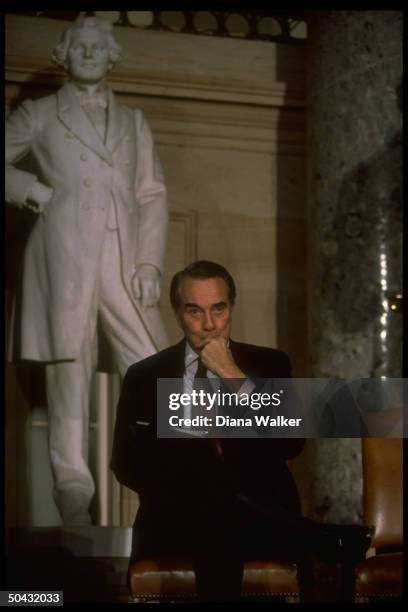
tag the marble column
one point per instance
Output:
(355, 221)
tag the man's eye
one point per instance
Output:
(219, 308)
(194, 311)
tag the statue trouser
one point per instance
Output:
(68, 385)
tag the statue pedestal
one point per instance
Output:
(89, 564)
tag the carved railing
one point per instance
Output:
(275, 26)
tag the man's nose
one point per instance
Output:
(88, 52)
(208, 322)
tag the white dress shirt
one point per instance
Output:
(191, 359)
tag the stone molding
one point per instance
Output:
(165, 64)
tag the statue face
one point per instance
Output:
(88, 55)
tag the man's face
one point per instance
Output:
(88, 55)
(204, 311)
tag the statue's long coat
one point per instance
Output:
(63, 250)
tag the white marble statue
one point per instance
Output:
(96, 248)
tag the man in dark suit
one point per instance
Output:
(217, 502)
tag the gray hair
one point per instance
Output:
(59, 55)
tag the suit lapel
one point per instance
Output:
(77, 121)
(170, 368)
(174, 367)
(248, 361)
(118, 124)
(239, 358)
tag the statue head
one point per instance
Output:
(87, 50)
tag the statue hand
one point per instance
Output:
(38, 197)
(146, 285)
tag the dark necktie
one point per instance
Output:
(201, 382)
(201, 370)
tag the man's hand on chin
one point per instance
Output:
(217, 357)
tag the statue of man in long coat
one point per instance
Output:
(96, 249)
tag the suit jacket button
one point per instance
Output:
(83, 157)
(87, 182)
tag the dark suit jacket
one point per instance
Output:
(180, 478)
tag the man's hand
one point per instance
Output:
(38, 197)
(217, 357)
(146, 285)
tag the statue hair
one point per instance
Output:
(60, 53)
